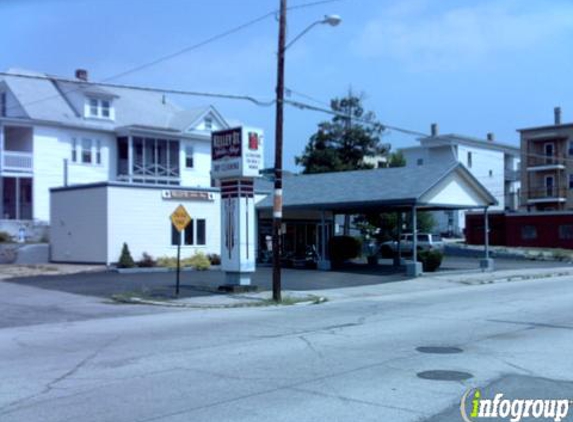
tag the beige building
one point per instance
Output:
(547, 166)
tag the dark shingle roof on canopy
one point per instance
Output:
(400, 186)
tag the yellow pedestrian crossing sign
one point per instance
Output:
(180, 218)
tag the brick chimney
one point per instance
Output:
(434, 129)
(82, 74)
(557, 113)
(490, 137)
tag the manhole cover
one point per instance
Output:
(443, 375)
(439, 349)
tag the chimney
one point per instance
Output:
(434, 129)
(82, 74)
(557, 112)
(490, 137)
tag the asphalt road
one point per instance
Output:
(105, 284)
(347, 360)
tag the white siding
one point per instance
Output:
(200, 174)
(140, 217)
(412, 155)
(485, 161)
(51, 147)
(79, 225)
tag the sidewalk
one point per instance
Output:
(427, 282)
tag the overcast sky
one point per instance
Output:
(472, 66)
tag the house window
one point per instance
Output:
(99, 108)
(105, 106)
(98, 152)
(469, 159)
(189, 157)
(528, 232)
(420, 161)
(566, 232)
(74, 150)
(188, 234)
(86, 151)
(194, 234)
(175, 236)
(208, 123)
(571, 181)
(3, 104)
(94, 107)
(201, 232)
(570, 150)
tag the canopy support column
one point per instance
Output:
(398, 257)
(487, 263)
(323, 263)
(414, 268)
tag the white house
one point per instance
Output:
(496, 165)
(56, 132)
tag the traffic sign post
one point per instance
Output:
(180, 219)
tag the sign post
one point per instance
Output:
(180, 219)
(237, 158)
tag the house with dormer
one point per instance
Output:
(62, 132)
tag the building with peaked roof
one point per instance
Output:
(311, 202)
(495, 164)
(56, 132)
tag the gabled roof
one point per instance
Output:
(454, 138)
(355, 191)
(47, 98)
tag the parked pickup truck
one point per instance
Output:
(425, 241)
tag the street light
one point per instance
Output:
(331, 20)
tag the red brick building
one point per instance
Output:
(534, 229)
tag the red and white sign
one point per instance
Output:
(236, 152)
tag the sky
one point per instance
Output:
(472, 66)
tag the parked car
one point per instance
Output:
(425, 241)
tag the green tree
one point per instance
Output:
(342, 143)
(125, 259)
(397, 159)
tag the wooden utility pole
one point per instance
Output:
(278, 194)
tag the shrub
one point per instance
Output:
(430, 259)
(199, 261)
(343, 248)
(167, 261)
(5, 237)
(125, 259)
(146, 261)
(214, 258)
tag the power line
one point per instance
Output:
(147, 89)
(188, 49)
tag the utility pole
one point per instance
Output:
(278, 194)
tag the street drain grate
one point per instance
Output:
(439, 349)
(444, 375)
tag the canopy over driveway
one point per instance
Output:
(425, 187)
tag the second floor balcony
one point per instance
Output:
(540, 162)
(16, 162)
(541, 194)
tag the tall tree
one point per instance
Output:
(342, 143)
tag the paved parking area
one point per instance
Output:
(193, 283)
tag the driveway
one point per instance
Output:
(194, 283)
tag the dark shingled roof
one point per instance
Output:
(400, 186)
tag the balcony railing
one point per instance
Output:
(546, 160)
(16, 161)
(547, 192)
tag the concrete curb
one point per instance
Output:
(254, 303)
(493, 278)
